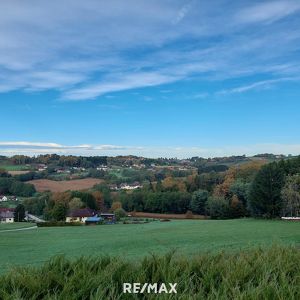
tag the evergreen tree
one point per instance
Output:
(265, 191)
(198, 202)
(19, 215)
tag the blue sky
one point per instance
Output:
(152, 78)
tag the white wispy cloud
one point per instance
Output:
(268, 11)
(85, 49)
(23, 144)
(55, 146)
(121, 83)
(183, 12)
(257, 85)
(35, 148)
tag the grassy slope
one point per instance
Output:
(15, 225)
(14, 167)
(131, 241)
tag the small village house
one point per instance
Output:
(6, 215)
(3, 198)
(89, 216)
(8, 198)
(80, 215)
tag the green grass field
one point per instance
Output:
(15, 225)
(133, 241)
(14, 167)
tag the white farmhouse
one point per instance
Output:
(6, 216)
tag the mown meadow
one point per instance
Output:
(133, 241)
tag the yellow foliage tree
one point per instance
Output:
(116, 205)
(99, 200)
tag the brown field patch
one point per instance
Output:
(165, 216)
(42, 185)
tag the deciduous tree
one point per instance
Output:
(291, 196)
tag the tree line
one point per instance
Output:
(11, 186)
(251, 189)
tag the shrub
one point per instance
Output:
(218, 207)
(120, 213)
(272, 273)
(58, 223)
(189, 215)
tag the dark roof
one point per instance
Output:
(4, 209)
(82, 212)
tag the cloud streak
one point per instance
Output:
(84, 50)
(36, 148)
(264, 84)
(121, 83)
(268, 12)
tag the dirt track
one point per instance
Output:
(18, 172)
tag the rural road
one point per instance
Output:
(18, 229)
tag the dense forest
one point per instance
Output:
(253, 188)
(94, 161)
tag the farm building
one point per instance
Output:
(89, 216)
(108, 217)
(6, 215)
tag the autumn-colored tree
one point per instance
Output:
(236, 207)
(181, 186)
(64, 197)
(99, 200)
(173, 184)
(245, 173)
(223, 189)
(168, 183)
(116, 205)
(191, 182)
